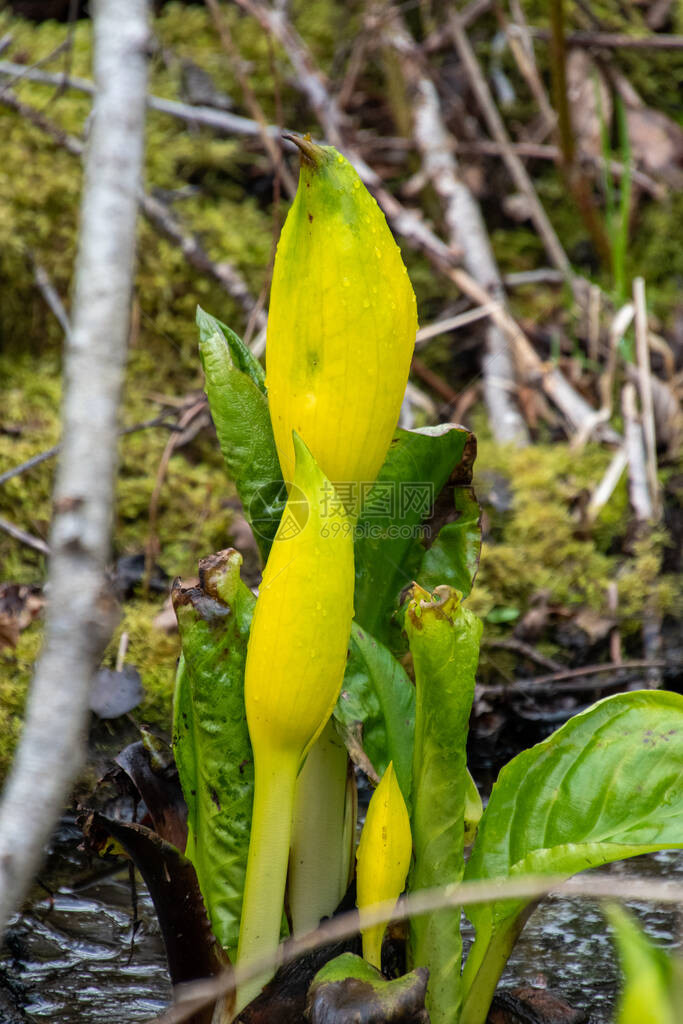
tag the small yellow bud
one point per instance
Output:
(383, 857)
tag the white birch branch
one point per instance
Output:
(81, 613)
(467, 231)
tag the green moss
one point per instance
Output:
(16, 668)
(541, 543)
(152, 651)
(155, 654)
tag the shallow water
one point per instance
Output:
(70, 958)
(566, 945)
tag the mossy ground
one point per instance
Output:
(221, 189)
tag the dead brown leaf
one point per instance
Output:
(590, 101)
(20, 604)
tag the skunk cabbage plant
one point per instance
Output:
(350, 513)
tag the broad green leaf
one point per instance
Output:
(453, 558)
(378, 693)
(350, 989)
(389, 552)
(242, 356)
(607, 785)
(210, 736)
(652, 992)
(240, 414)
(444, 642)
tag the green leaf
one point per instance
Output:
(377, 692)
(210, 737)
(242, 356)
(444, 642)
(240, 413)
(389, 552)
(453, 558)
(350, 989)
(607, 785)
(502, 613)
(652, 992)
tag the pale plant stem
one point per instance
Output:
(484, 966)
(264, 887)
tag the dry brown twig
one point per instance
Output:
(271, 146)
(518, 172)
(522, 48)
(194, 409)
(617, 40)
(36, 543)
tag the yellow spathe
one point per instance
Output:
(299, 636)
(339, 349)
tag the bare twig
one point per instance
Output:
(35, 460)
(227, 276)
(221, 121)
(525, 650)
(639, 490)
(310, 80)
(588, 670)
(68, 142)
(23, 70)
(433, 380)
(49, 453)
(25, 538)
(543, 275)
(538, 151)
(80, 613)
(518, 172)
(157, 213)
(556, 386)
(453, 323)
(522, 47)
(466, 231)
(271, 146)
(51, 296)
(602, 886)
(645, 388)
(605, 489)
(616, 40)
(440, 38)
